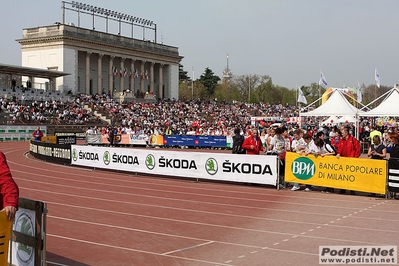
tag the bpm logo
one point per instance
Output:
(106, 158)
(211, 166)
(24, 225)
(150, 161)
(303, 168)
(75, 155)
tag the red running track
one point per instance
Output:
(108, 218)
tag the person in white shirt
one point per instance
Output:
(310, 147)
(298, 145)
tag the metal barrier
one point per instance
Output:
(28, 237)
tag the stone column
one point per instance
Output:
(52, 84)
(142, 77)
(152, 77)
(111, 74)
(100, 74)
(160, 85)
(132, 79)
(88, 72)
(122, 83)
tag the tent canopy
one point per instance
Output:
(336, 105)
(332, 118)
(388, 107)
(347, 118)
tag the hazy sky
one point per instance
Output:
(289, 40)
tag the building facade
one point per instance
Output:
(100, 62)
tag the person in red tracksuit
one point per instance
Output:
(253, 144)
(348, 147)
(9, 192)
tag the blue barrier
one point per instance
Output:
(195, 141)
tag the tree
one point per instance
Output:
(264, 88)
(183, 74)
(209, 80)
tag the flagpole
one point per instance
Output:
(249, 88)
(192, 86)
(319, 94)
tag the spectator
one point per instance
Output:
(310, 148)
(324, 150)
(37, 134)
(298, 145)
(377, 149)
(253, 144)
(349, 147)
(8, 189)
(373, 133)
(394, 153)
(278, 146)
(238, 140)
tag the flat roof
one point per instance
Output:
(31, 72)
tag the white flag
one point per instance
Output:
(322, 81)
(359, 93)
(377, 78)
(301, 97)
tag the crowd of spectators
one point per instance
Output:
(194, 117)
(19, 111)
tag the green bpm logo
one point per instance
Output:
(303, 168)
(211, 166)
(106, 158)
(75, 155)
(150, 161)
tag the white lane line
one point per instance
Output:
(135, 250)
(342, 207)
(187, 248)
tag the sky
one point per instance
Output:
(291, 41)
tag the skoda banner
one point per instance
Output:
(215, 166)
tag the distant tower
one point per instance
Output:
(227, 75)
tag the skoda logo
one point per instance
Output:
(106, 158)
(150, 161)
(303, 168)
(24, 224)
(74, 155)
(211, 166)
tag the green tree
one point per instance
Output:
(209, 80)
(264, 88)
(183, 74)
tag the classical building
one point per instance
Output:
(101, 62)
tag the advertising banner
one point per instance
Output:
(366, 175)
(215, 166)
(195, 141)
(5, 232)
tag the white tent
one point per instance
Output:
(388, 107)
(332, 118)
(347, 119)
(336, 105)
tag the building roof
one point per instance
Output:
(31, 72)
